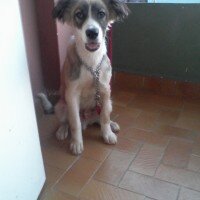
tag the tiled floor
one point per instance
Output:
(157, 156)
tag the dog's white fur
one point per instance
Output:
(79, 94)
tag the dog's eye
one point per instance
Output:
(101, 14)
(79, 15)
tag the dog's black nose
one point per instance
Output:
(92, 33)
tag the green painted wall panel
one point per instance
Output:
(159, 40)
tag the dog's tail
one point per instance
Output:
(46, 104)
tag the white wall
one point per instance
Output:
(21, 166)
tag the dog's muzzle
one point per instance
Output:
(92, 35)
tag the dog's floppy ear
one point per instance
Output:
(61, 10)
(118, 10)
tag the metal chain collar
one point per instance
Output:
(96, 74)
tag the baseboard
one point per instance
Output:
(127, 81)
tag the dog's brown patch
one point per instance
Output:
(74, 63)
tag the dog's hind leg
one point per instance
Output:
(114, 126)
(62, 132)
(61, 113)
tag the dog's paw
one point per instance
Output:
(62, 132)
(114, 127)
(76, 147)
(110, 138)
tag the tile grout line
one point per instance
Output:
(144, 142)
(176, 183)
(141, 129)
(179, 191)
(130, 164)
(155, 178)
(191, 189)
(126, 152)
(161, 160)
(65, 171)
(92, 176)
(129, 190)
(52, 187)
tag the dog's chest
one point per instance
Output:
(87, 89)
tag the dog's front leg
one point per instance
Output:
(76, 145)
(108, 135)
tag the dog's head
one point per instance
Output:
(90, 19)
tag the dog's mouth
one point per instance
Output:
(92, 46)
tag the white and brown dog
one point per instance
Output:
(86, 75)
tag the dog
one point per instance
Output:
(85, 94)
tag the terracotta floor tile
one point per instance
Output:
(92, 136)
(127, 145)
(128, 112)
(177, 153)
(52, 142)
(47, 126)
(77, 176)
(92, 132)
(114, 167)
(179, 176)
(168, 117)
(95, 151)
(188, 123)
(146, 136)
(100, 191)
(55, 195)
(176, 132)
(186, 194)
(146, 121)
(156, 103)
(194, 163)
(191, 111)
(190, 117)
(45, 190)
(196, 146)
(141, 103)
(147, 160)
(58, 157)
(150, 102)
(148, 186)
(190, 100)
(123, 144)
(122, 98)
(167, 101)
(196, 149)
(117, 109)
(127, 117)
(198, 139)
(52, 174)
